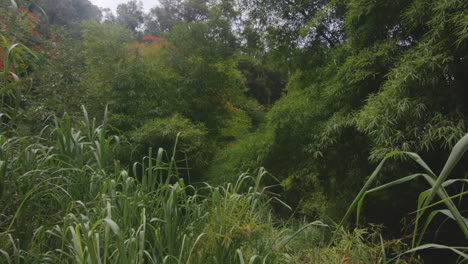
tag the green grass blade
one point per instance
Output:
(361, 193)
(193, 247)
(287, 239)
(6, 255)
(241, 257)
(381, 187)
(457, 250)
(455, 156)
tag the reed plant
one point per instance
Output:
(65, 199)
(426, 208)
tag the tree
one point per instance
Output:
(130, 15)
(191, 71)
(67, 13)
(20, 46)
(171, 12)
(299, 23)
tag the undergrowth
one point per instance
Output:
(67, 200)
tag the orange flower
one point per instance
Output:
(35, 33)
(229, 106)
(153, 38)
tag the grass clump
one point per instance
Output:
(67, 200)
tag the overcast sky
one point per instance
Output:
(112, 4)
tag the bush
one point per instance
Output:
(168, 132)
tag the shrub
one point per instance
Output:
(175, 132)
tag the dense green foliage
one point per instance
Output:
(195, 93)
(68, 201)
(396, 84)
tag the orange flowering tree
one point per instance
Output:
(190, 71)
(20, 38)
(16, 30)
(20, 45)
(204, 71)
(182, 72)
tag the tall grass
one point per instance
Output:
(67, 200)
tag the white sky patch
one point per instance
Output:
(112, 4)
